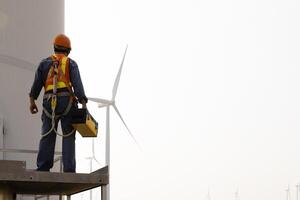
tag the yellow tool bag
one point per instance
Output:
(84, 123)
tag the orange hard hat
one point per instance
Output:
(62, 40)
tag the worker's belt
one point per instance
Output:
(48, 96)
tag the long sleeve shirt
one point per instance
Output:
(41, 77)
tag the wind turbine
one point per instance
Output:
(236, 195)
(91, 158)
(208, 197)
(297, 191)
(288, 194)
(108, 103)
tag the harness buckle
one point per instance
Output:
(53, 102)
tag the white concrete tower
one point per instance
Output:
(27, 29)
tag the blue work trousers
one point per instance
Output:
(47, 144)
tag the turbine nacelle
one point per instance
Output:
(102, 104)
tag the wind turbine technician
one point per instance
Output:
(63, 89)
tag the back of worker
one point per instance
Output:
(68, 90)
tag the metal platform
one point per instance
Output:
(13, 175)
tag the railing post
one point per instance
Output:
(60, 170)
(104, 193)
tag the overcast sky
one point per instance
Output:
(210, 89)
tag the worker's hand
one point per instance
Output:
(33, 108)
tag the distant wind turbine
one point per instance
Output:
(91, 158)
(208, 197)
(236, 195)
(288, 194)
(297, 191)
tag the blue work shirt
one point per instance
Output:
(41, 77)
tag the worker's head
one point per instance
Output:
(62, 44)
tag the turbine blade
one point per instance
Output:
(93, 152)
(96, 161)
(100, 105)
(93, 158)
(116, 84)
(118, 112)
(98, 100)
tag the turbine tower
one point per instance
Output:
(297, 191)
(288, 194)
(91, 158)
(208, 197)
(236, 195)
(107, 103)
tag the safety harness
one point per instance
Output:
(58, 77)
